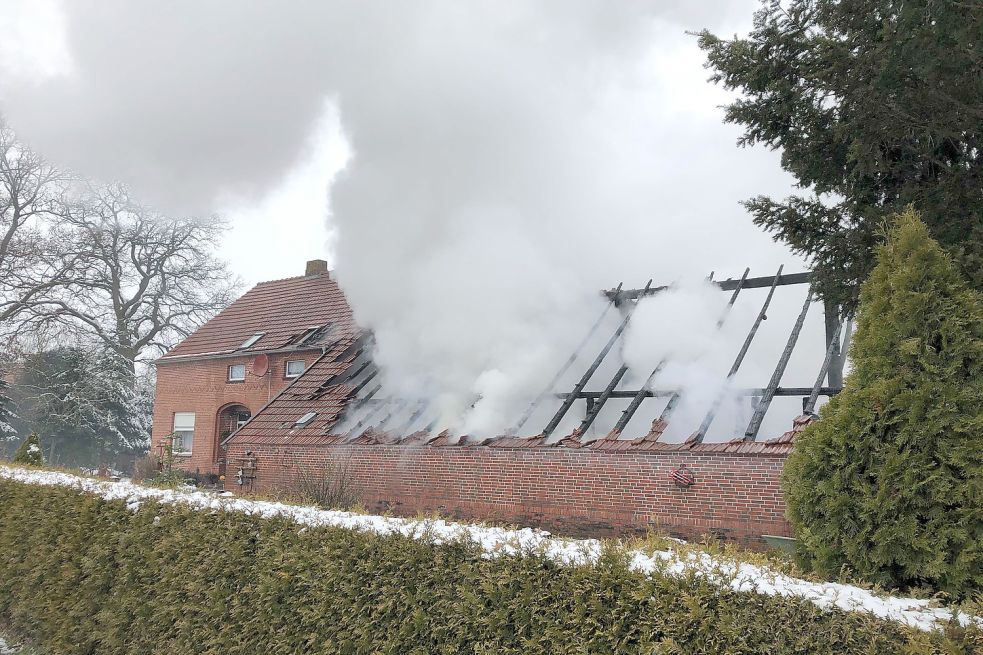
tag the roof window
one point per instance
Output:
(305, 419)
(251, 340)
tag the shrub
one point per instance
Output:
(199, 479)
(29, 452)
(328, 486)
(146, 468)
(889, 482)
(92, 576)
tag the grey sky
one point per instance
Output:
(215, 106)
(506, 158)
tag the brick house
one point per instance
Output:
(214, 381)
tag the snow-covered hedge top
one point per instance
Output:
(496, 541)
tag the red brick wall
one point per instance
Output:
(575, 492)
(202, 387)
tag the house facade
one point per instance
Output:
(217, 379)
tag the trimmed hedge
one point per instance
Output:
(79, 574)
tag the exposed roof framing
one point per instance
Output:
(628, 299)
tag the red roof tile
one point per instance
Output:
(314, 391)
(282, 309)
(517, 442)
(311, 392)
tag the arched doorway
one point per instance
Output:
(230, 419)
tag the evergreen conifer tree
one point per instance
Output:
(889, 481)
(875, 105)
(7, 431)
(29, 452)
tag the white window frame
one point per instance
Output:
(251, 341)
(232, 379)
(286, 368)
(240, 422)
(183, 433)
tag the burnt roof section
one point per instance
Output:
(283, 310)
(312, 392)
(326, 389)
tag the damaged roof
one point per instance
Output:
(327, 387)
(322, 390)
(303, 312)
(312, 409)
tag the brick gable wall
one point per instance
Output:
(201, 386)
(575, 492)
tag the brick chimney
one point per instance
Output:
(316, 267)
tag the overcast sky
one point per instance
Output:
(225, 106)
(473, 171)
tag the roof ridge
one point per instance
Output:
(295, 277)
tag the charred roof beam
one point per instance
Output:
(775, 280)
(776, 377)
(725, 285)
(568, 403)
(531, 409)
(662, 393)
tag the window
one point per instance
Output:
(184, 433)
(294, 368)
(237, 372)
(251, 341)
(231, 419)
(305, 419)
(241, 419)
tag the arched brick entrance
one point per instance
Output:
(230, 418)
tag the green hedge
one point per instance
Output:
(79, 574)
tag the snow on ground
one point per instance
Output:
(744, 577)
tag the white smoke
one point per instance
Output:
(692, 331)
(505, 161)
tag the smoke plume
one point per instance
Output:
(503, 162)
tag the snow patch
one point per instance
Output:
(496, 542)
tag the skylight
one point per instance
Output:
(251, 340)
(305, 419)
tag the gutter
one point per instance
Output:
(230, 354)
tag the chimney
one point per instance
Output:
(316, 267)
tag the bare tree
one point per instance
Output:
(30, 191)
(89, 265)
(142, 280)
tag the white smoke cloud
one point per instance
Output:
(505, 161)
(691, 329)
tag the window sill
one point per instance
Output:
(181, 454)
(235, 381)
